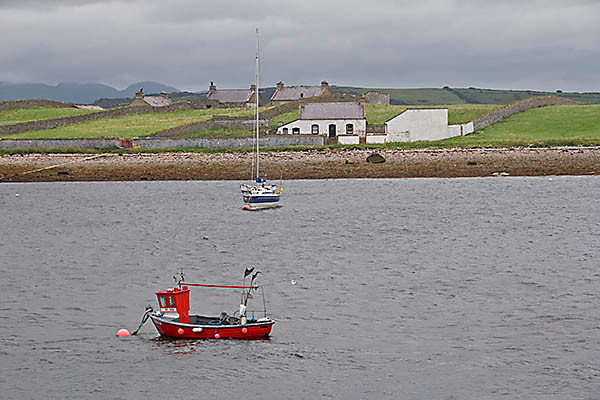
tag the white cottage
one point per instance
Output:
(341, 119)
(420, 124)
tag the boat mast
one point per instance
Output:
(256, 94)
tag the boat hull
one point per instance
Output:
(171, 328)
(260, 202)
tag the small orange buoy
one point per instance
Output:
(17, 195)
(217, 336)
(246, 207)
(244, 330)
(122, 332)
(180, 331)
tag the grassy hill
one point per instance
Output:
(554, 125)
(17, 115)
(450, 96)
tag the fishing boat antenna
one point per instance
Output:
(180, 278)
(262, 289)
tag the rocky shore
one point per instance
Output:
(315, 164)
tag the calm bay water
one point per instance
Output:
(413, 289)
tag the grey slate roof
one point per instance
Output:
(288, 93)
(230, 96)
(345, 110)
(157, 101)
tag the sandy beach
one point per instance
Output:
(315, 164)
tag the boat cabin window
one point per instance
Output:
(166, 301)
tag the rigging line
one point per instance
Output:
(209, 285)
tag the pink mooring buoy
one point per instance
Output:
(244, 330)
(122, 332)
(217, 336)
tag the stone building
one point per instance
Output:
(154, 101)
(378, 98)
(233, 97)
(284, 93)
(329, 119)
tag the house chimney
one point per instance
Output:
(164, 95)
(279, 85)
(253, 87)
(324, 85)
(212, 87)
(139, 94)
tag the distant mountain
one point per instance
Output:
(85, 93)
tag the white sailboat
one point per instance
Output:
(261, 194)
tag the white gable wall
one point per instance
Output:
(420, 125)
(305, 126)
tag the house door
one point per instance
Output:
(332, 131)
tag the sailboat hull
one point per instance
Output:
(260, 202)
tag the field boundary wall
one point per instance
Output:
(165, 143)
(519, 106)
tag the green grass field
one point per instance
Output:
(546, 126)
(129, 126)
(17, 115)
(555, 125)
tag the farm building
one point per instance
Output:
(420, 124)
(233, 97)
(154, 101)
(341, 119)
(284, 93)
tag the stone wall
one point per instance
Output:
(10, 104)
(520, 106)
(164, 143)
(377, 98)
(114, 112)
(244, 123)
(375, 129)
(228, 142)
(59, 143)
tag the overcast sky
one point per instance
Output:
(505, 44)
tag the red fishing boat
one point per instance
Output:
(173, 318)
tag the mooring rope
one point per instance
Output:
(144, 319)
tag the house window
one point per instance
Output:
(314, 129)
(349, 129)
(295, 131)
(285, 130)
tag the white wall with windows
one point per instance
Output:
(325, 127)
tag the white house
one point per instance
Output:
(420, 124)
(344, 120)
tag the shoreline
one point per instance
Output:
(310, 164)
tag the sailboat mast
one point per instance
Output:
(256, 93)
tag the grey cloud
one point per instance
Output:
(511, 44)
